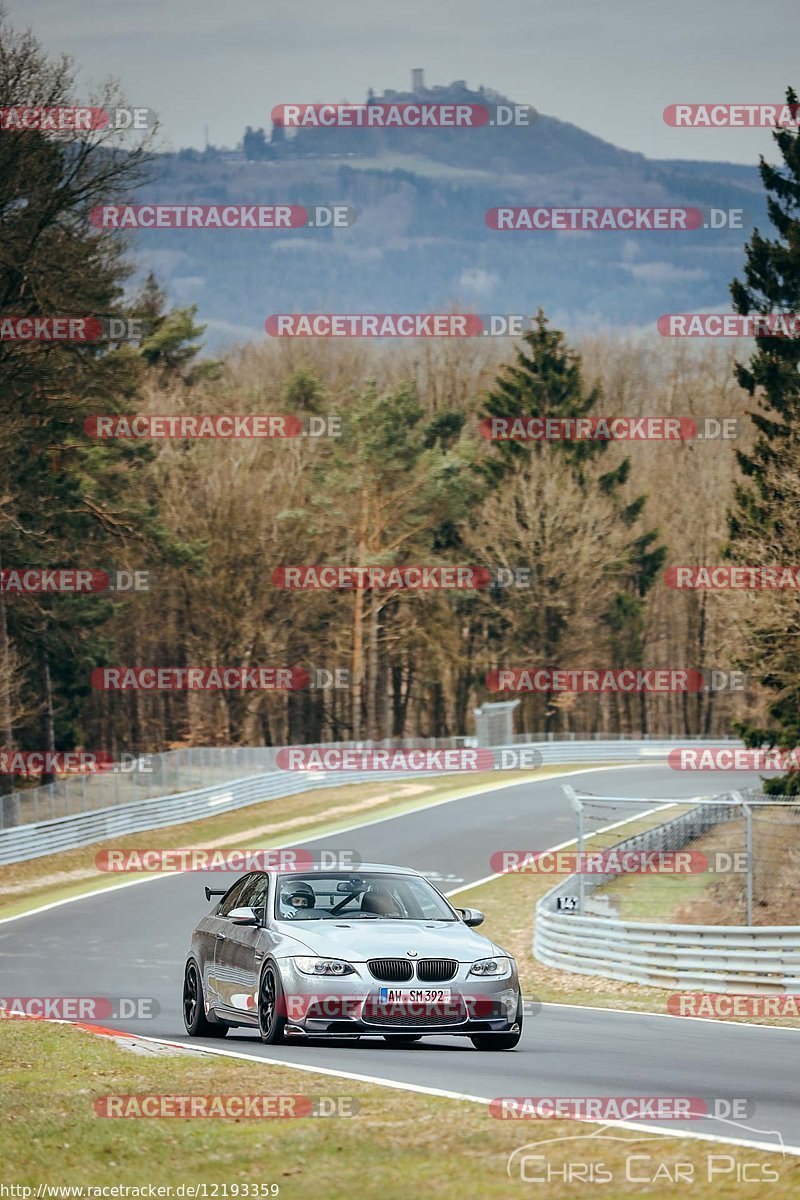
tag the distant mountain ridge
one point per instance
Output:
(420, 242)
(547, 145)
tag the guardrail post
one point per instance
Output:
(577, 808)
(581, 876)
(747, 811)
(748, 834)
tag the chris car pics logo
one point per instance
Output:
(630, 1158)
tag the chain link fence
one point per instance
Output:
(165, 774)
(742, 865)
(192, 767)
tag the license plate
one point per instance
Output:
(414, 995)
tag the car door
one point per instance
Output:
(238, 963)
(217, 929)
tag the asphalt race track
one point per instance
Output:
(132, 942)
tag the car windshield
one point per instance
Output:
(366, 896)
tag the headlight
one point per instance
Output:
(494, 968)
(324, 966)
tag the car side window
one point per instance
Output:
(255, 894)
(233, 898)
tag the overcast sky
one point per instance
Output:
(609, 66)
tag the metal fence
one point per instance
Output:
(257, 780)
(751, 873)
(750, 843)
(144, 777)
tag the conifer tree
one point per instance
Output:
(546, 380)
(758, 520)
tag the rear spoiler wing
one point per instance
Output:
(215, 892)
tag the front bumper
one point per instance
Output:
(351, 1006)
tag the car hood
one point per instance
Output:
(363, 939)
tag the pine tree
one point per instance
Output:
(172, 340)
(771, 284)
(68, 500)
(546, 380)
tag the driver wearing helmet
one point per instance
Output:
(295, 897)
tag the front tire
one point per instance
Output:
(500, 1041)
(271, 1021)
(194, 1009)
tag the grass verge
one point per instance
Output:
(398, 1144)
(720, 898)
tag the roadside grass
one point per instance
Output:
(719, 899)
(306, 815)
(398, 1144)
(702, 899)
(509, 903)
(657, 897)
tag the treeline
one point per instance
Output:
(410, 481)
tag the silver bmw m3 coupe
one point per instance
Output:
(317, 953)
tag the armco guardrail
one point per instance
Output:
(38, 838)
(724, 958)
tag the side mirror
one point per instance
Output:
(243, 916)
(471, 916)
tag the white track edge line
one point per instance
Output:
(423, 1089)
